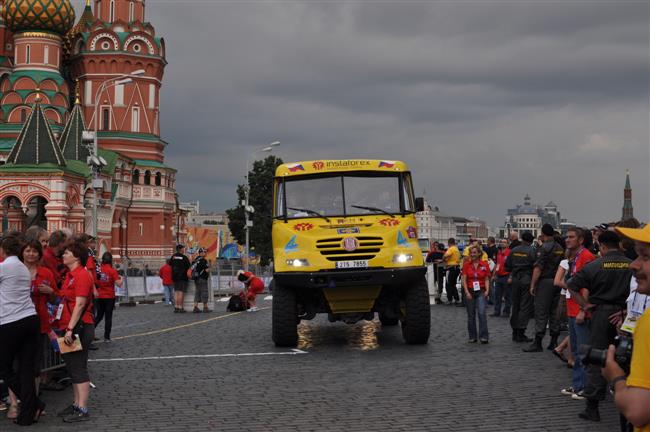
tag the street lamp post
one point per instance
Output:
(248, 209)
(95, 161)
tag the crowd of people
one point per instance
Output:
(53, 294)
(591, 283)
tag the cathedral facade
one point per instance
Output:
(62, 77)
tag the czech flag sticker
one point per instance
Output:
(296, 167)
(386, 164)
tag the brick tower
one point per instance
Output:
(628, 210)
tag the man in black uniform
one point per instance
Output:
(179, 263)
(608, 281)
(520, 265)
(547, 295)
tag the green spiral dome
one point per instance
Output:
(55, 16)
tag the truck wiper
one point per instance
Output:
(311, 212)
(374, 209)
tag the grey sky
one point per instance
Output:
(487, 101)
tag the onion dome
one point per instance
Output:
(56, 16)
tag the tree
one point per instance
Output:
(260, 179)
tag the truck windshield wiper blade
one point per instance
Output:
(374, 209)
(311, 212)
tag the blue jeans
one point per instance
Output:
(169, 293)
(478, 302)
(501, 290)
(579, 335)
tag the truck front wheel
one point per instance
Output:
(285, 317)
(416, 313)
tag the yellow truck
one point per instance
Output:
(345, 243)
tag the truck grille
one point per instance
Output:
(332, 248)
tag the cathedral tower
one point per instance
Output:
(628, 210)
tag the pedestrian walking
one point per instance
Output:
(452, 258)
(165, 273)
(200, 274)
(19, 331)
(475, 279)
(547, 295)
(520, 264)
(180, 264)
(607, 280)
(108, 280)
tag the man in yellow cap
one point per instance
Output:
(632, 393)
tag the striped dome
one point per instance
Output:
(55, 16)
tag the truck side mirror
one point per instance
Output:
(419, 204)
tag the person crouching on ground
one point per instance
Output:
(253, 286)
(108, 279)
(77, 321)
(475, 278)
(200, 274)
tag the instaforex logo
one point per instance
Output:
(347, 164)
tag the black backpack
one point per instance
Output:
(235, 304)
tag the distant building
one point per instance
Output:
(628, 210)
(437, 226)
(528, 217)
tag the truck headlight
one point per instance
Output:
(297, 262)
(402, 258)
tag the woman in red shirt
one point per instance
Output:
(77, 321)
(253, 285)
(108, 278)
(475, 278)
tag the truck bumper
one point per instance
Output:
(349, 278)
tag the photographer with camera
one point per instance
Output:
(632, 393)
(607, 281)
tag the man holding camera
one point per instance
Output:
(607, 280)
(632, 393)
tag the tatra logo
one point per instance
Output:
(350, 244)
(389, 222)
(305, 226)
(318, 165)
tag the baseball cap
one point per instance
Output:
(180, 246)
(638, 234)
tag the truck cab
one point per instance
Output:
(345, 243)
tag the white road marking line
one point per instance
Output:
(192, 356)
(224, 299)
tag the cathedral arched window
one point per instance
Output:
(106, 119)
(158, 179)
(131, 11)
(111, 11)
(136, 176)
(28, 54)
(147, 177)
(23, 115)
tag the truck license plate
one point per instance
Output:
(351, 264)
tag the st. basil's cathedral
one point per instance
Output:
(58, 79)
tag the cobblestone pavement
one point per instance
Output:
(352, 378)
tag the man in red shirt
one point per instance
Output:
(52, 256)
(165, 274)
(253, 285)
(501, 286)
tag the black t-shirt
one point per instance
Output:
(200, 265)
(180, 264)
(607, 278)
(491, 252)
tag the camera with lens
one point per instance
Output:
(598, 357)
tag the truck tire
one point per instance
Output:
(416, 314)
(285, 317)
(388, 321)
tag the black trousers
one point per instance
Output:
(522, 303)
(452, 278)
(105, 308)
(602, 335)
(547, 298)
(19, 340)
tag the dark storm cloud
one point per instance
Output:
(487, 101)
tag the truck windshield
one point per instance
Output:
(351, 194)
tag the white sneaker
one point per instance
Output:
(568, 391)
(578, 396)
(253, 309)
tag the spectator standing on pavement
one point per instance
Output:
(77, 321)
(19, 331)
(165, 274)
(513, 240)
(108, 279)
(476, 285)
(39, 234)
(579, 256)
(547, 295)
(200, 274)
(452, 258)
(52, 256)
(180, 264)
(253, 286)
(520, 264)
(501, 286)
(607, 279)
(435, 257)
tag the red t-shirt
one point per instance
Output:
(55, 264)
(165, 274)
(477, 274)
(502, 255)
(256, 284)
(91, 265)
(44, 276)
(583, 257)
(78, 283)
(106, 282)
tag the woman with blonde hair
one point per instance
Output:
(475, 278)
